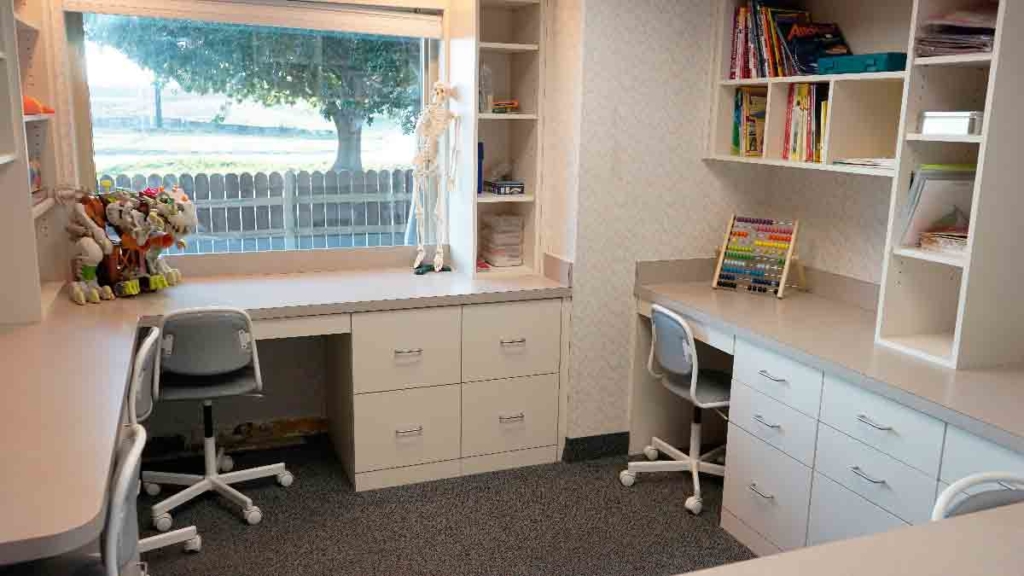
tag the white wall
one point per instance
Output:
(646, 194)
(563, 48)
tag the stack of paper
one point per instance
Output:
(935, 216)
(886, 163)
(960, 32)
(501, 240)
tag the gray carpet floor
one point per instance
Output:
(558, 519)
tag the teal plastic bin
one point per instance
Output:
(860, 63)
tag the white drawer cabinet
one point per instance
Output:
(902, 432)
(783, 427)
(417, 426)
(405, 349)
(766, 489)
(509, 414)
(775, 375)
(966, 454)
(905, 491)
(511, 339)
(838, 514)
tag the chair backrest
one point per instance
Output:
(141, 395)
(672, 346)
(1011, 491)
(120, 538)
(207, 342)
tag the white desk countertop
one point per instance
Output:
(64, 381)
(840, 339)
(982, 544)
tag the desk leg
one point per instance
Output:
(340, 415)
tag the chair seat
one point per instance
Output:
(986, 501)
(713, 388)
(186, 387)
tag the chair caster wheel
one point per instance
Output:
(627, 478)
(694, 505)
(226, 463)
(285, 478)
(252, 515)
(151, 488)
(163, 522)
(651, 452)
(194, 544)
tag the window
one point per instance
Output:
(284, 138)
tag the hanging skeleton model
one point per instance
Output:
(431, 125)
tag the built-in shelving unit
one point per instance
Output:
(961, 310)
(505, 37)
(38, 269)
(957, 310)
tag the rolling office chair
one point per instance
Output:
(673, 348)
(119, 543)
(205, 354)
(947, 505)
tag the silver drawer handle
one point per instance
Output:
(410, 431)
(856, 470)
(753, 488)
(864, 418)
(408, 351)
(514, 418)
(769, 376)
(513, 341)
(760, 420)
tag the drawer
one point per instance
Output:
(839, 514)
(772, 421)
(905, 491)
(901, 432)
(510, 414)
(786, 380)
(511, 339)
(406, 427)
(968, 454)
(405, 349)
(766, 489)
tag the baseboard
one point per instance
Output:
(593, 447)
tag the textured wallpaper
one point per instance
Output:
(645, 193)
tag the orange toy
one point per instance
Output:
(33, 106)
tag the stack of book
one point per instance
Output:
(936, 214)
(772, 42)
(806, 121)
(748, 122)
(959, 32)
(501, 240)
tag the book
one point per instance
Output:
(806, 122)
(751, 105)
(771, 41)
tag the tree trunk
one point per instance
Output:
(158, 104)
(349, 128)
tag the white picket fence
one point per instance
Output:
(291, 210)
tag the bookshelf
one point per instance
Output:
(956, 310)
(40, 267)
(506, 36)
(864, 109)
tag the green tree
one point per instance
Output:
(351, 78)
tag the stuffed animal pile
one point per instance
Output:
(119, 236)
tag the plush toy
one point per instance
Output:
(33, 107)
(119, 237)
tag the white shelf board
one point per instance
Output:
(841, 168)
(491, 116)
(38, 210)
(486, 198)
(961, 138)
(507, 271)
(508, 48)
(933, 347)
(38, 118)
(980, 59)
(867, 76)
(7, 158)
(955, 260)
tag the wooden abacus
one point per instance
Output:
(756, 255)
